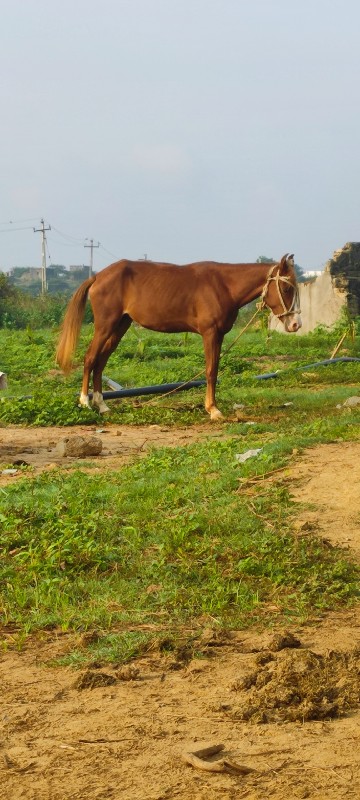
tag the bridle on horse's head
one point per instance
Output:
(295, 305)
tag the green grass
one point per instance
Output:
(148, 545)
(172, 544)
(39, 395)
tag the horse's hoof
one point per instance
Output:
(84, 401)
(98, 402)
(216, 415)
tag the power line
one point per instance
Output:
(68, 236)
(59, 243)
(108, 251)
(17, 221)
(10, 230)
(70, 241)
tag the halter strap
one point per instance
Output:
(295, 305)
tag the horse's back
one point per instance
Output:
(151, 274)
(161, 296)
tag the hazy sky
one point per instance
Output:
(183, 129)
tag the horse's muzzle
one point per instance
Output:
(293, 323)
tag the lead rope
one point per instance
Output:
(295, 307)
(202, 371)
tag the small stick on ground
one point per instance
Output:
(259, 478)
(337, 348)
(198, 758)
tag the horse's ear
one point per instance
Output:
(286, 261)
(283, 263)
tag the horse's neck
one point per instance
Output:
(246, 282)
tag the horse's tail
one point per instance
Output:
(71, 326)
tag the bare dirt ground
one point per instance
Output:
(37, 447)
(120, 733)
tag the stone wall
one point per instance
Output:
(344, 269)
(323, 300)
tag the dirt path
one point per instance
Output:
(61, 740)
(329, 478)
(37, 447)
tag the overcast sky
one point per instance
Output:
(183, 129)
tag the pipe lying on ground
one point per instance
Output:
(326, 362)
(156, 389)
(181, 386)
(113, 384)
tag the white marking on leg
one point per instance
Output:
(84, 400)
(98, 402)
(216, 415)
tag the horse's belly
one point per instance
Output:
(163, 325)
(163, 318)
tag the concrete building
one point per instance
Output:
(326, 295)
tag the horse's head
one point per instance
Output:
(281, 293)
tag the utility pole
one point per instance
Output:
(43, 254)
(91, 245)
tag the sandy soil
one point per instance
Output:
(329, 479)
(37, 447)
(112, 733)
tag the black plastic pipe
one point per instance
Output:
(324, 363)
(159, 388)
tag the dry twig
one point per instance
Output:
(198, 760)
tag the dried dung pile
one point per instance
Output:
(299, 685)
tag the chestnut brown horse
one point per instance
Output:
(202, 298)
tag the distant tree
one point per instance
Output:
(17, 272)
(6, 289)
(265, 260)
(59, 279)
(299, 271)
(8, 297)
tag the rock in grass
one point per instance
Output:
(352, 401)
(79, 447)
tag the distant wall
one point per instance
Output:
(322, 300)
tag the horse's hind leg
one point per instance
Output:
(88, 365)
(91, 355)
(100, 338)
(102, 359)
(212, 340)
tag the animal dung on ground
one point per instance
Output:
(93, 680)
(281, 641)
(128, 673)
(298, 685)
(79, 447)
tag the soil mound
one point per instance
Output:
(298, 686)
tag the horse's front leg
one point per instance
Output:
(212, 340)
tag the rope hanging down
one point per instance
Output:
(202, 371)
